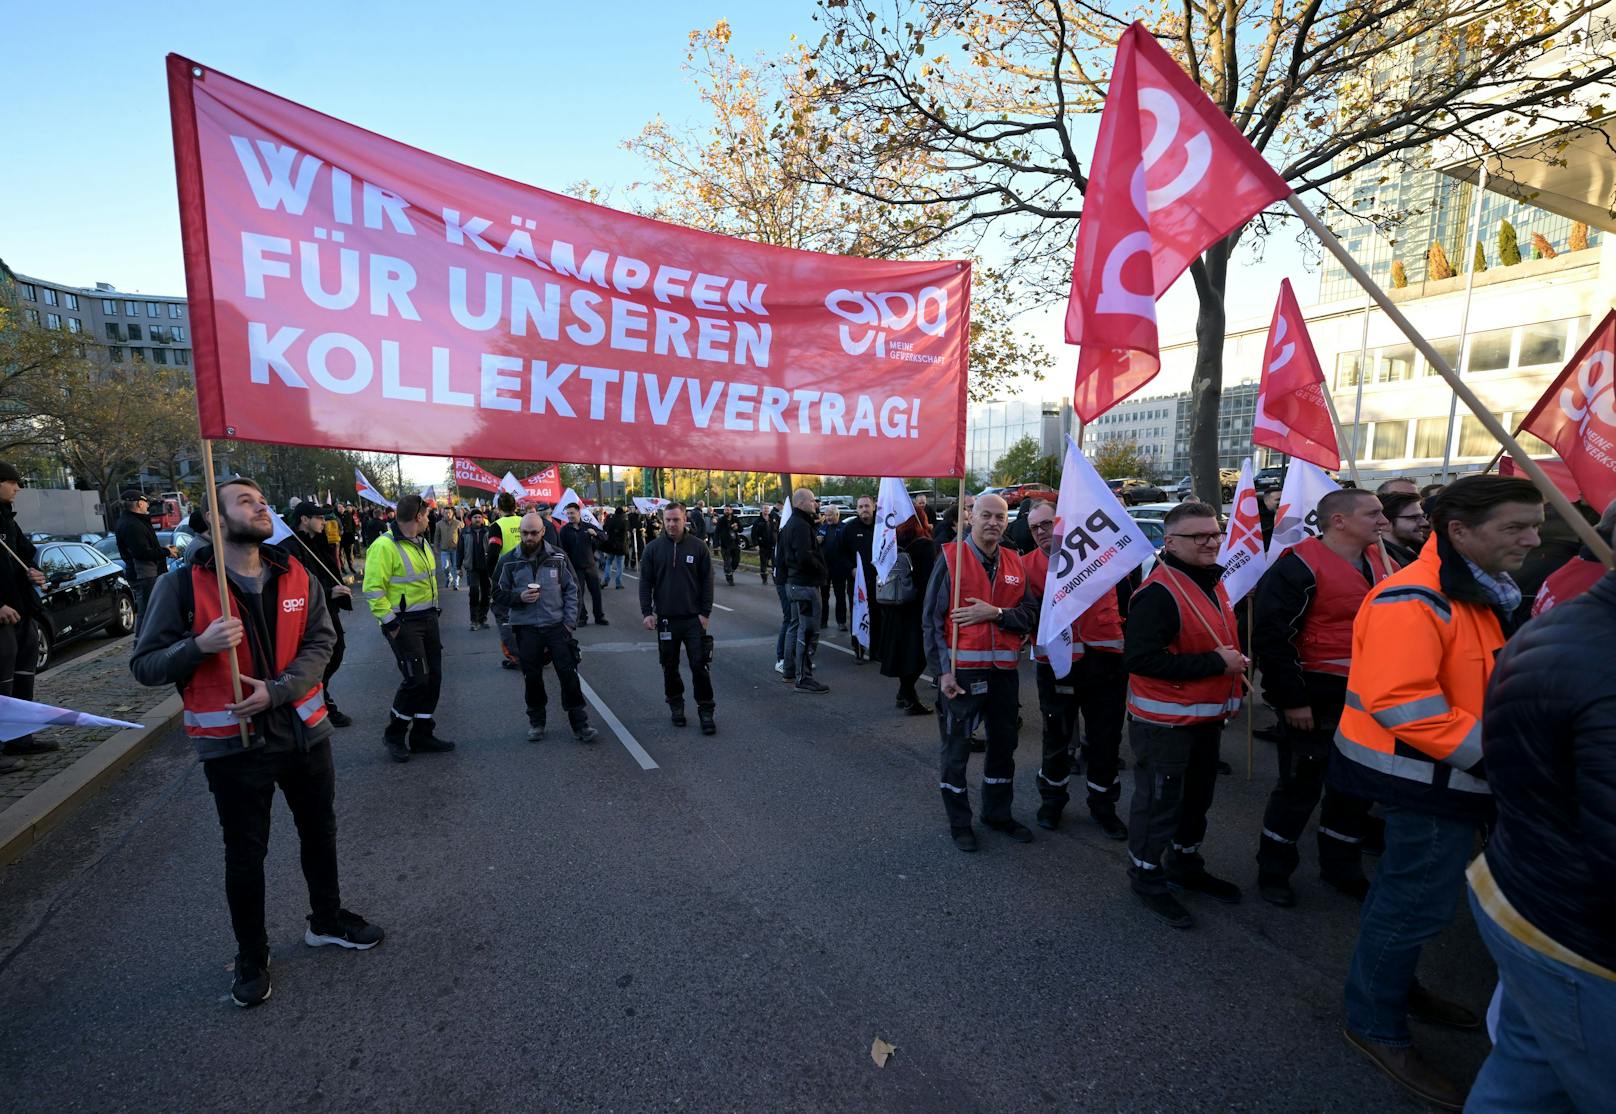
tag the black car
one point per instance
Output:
(84, 594)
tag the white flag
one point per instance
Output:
(24, 717)
(1297, 516)
(649, 505)
(1242, 555)
(570, 498)
(861, 607)
(281, 531)
(1096, 545)
(367, 490)
(893, 507)
(510, 483)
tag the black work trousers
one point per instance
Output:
(843, 587)
(992, 696)
(590, 579)
(419, 653)
(1304, 756)
(1095, 694)
(685, 631)
(19, 654)
(337, 653)
(243, 787)
(1175, 771)
(732, 560)
(536, 646)
(479, 588)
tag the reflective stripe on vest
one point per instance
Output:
(1169, 712)
(1207, 699)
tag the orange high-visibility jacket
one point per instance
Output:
(1411, 730)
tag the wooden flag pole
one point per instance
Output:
(959, 568)
(1352, 470)
(216, 524)
(1584, 530)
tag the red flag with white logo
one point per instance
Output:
(1292, 415)
(1577, 415)
(1162, 191)
(544, 486)
(468, 473)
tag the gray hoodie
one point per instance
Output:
(547, 567)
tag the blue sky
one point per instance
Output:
(543, 93)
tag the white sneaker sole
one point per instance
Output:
(268, 994)
(315, 940)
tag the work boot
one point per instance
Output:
(1410, 1070)
(708, 726)
(1276, 890)
(397, 746)
(535, 732)
(600, 621)
(1049, 816)
(678, 711)
(1110, 823)
(1188, 872)
(809, 685)
(964, 837)
(1167, 908)
(432, 744)
(1013, 828)
(1427, 1007)
(336, 715)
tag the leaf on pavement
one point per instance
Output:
(881, 1052)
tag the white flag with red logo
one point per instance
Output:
(1292, 414)
(1170, 177)
(1096, 545)
(368, 490)
(1242, 556)
(1297, 516)
(509, 482)
(1578, 415)
(570, 498)
(861, 607)
(893, 507)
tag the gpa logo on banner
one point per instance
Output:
(873, 318)
(1594, 395)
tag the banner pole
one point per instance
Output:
(216, 526)
(1464, 314)
(959, 567)
(1352, 470)
(1251, 706)
(1363, 373)
(1556, 498)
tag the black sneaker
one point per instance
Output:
(1012, 828)
(600, 621)
(399, 749)
(251, 985)
(350, 931)
(510, 663)
(1167, 909)
(1276, 891)
(432, 744)
(678, 712)
(337, 716)
(584, 733)
(809, 685)
(964, 838)
(1200, 882)
(535, 732)
(1111, 825)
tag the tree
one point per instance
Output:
(742, 176)
(1436, 262)
(1478, 262)
(29, 354)
(1509, 250)
(1116, 460)
(1541, 246)
(987, 97)
(1399, 275)
(1024, 462)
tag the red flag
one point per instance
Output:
(1577, 415)
(1161, 193)
(1559, 475)
(544, 486)
(1292, 414)
(468, 473)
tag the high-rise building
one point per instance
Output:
(133, 328)
(992, 427)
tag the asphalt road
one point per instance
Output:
(728, 930)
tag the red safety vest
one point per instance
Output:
(1182, 703)
(1325, 645)
(1567, 582)
(986, 645)
(208, 694)
(1098, 628)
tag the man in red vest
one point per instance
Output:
(1182, 652)
(1577, 575)
(281, 637)
(1096, 689)
(978, 678)
(1302, 639)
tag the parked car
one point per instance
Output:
(1269, 479)
(1015, 494)
(1132, 491)
(1150, 512)
(84, 594)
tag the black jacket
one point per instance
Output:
(143, 557)
(16, 590)
(474, 549)
(676, 581)
(834, 550)
(799, 559)
(1153, 624)
(578, 539)
(858, 540)
(616, 535)
(1549, 741)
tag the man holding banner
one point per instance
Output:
(1302, 639)
(974, 650)
(1182, 653)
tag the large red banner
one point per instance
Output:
(1577, 415)
(468, 473)
(348, 290)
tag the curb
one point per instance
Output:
(25, 823)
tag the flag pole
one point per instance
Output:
(1556, 498)
(1464, 314)
(1251, 665)
(1352, 469)
(959, 567)
(216, 524)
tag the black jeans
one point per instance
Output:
(843, 587)
(535, 646)
(337, 652)
(1304, 757)
(589, 579)
(998, 703)
(479, 587)
(419, 653)
(1175, 770)
(685, 631)
(732, 560)
(1095, 692)
(19, 653)
(142, 586)
(243, 787)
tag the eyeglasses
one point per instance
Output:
(1199, 539)
(1412, 518)
(1043, 525)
